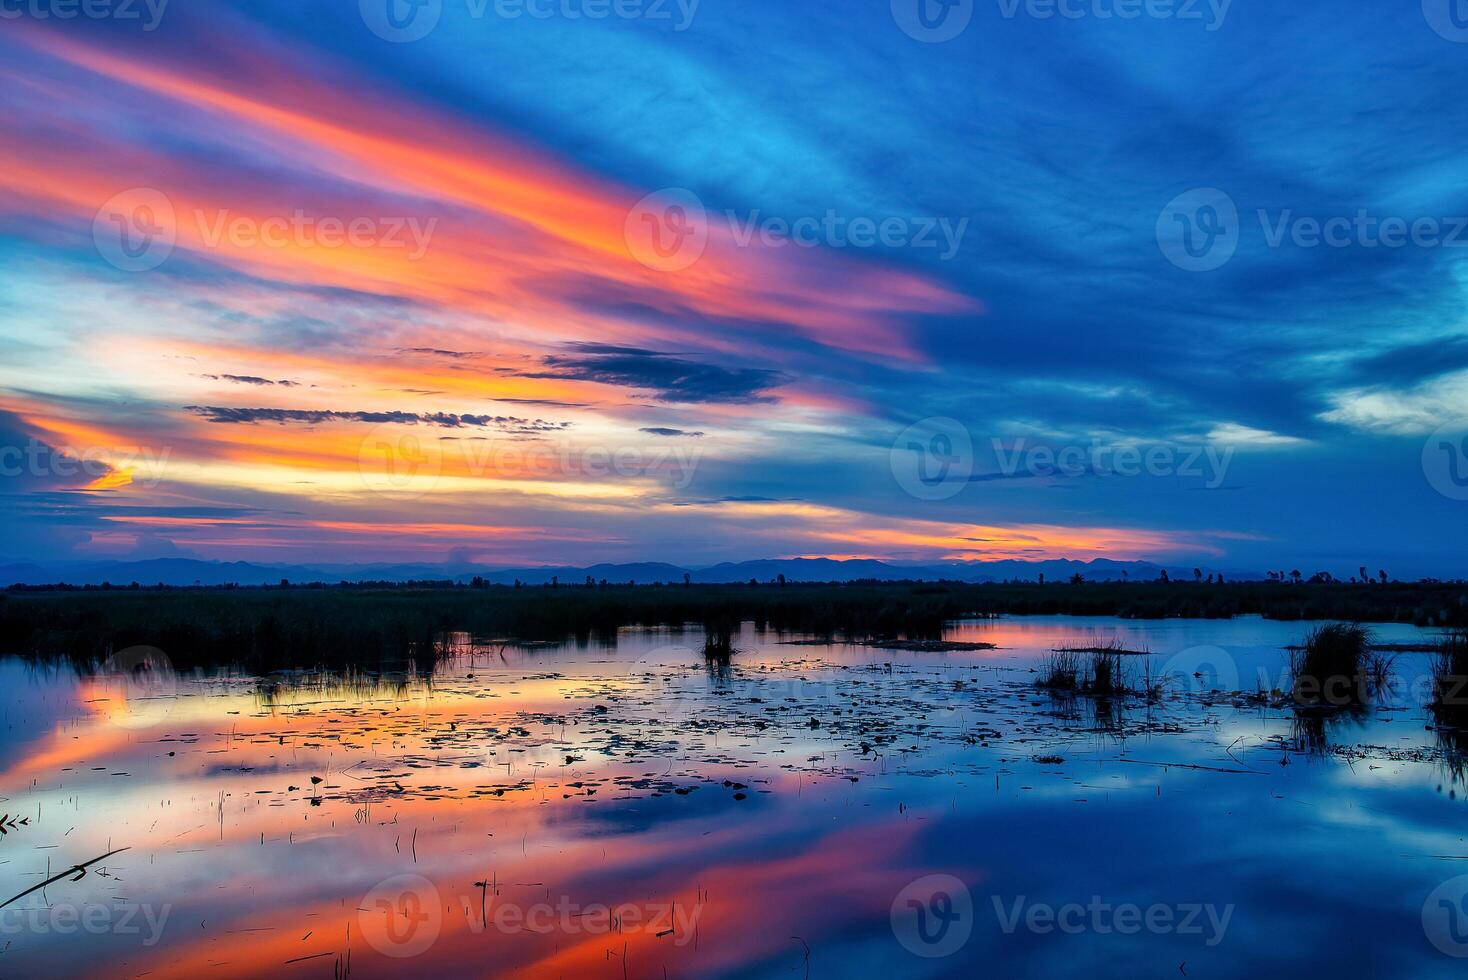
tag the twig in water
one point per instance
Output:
(79, 869)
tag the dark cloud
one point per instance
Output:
(250, 379)
(456, 355)
(447, 420)
(659, 430)
(673, 378)
(542, 401)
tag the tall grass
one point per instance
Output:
(1450, 680)
(1336, 668)
(1061, 671)
(1094, 670)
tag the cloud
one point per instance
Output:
(659, 430)
(1402, 411)
(672, 378)
(1234, 434)
(446, 420)
(250, 379)
(457, 355)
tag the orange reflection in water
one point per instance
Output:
(494, 820)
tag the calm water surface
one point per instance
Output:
(810, 810)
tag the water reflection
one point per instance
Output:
(645, 809)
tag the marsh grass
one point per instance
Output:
(377, 625)
(1336, 668)
(1061, 672)
(1098, 670)
(1106, 676)
(1449, 705)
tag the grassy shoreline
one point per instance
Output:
(280, 627)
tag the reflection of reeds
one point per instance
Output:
(285, 689)
(1307, 730)
(718, 642)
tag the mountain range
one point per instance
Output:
(192, 571)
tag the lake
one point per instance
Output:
(806, 810)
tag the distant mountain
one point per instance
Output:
(192, 571)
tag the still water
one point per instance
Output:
(808, 810)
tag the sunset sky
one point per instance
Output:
(289, 282)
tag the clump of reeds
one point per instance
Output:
(1336, 667)
(1450, 680)
(1061, 671)
(1106, 672)
(1153, 684)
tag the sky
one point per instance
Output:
(572, 281)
